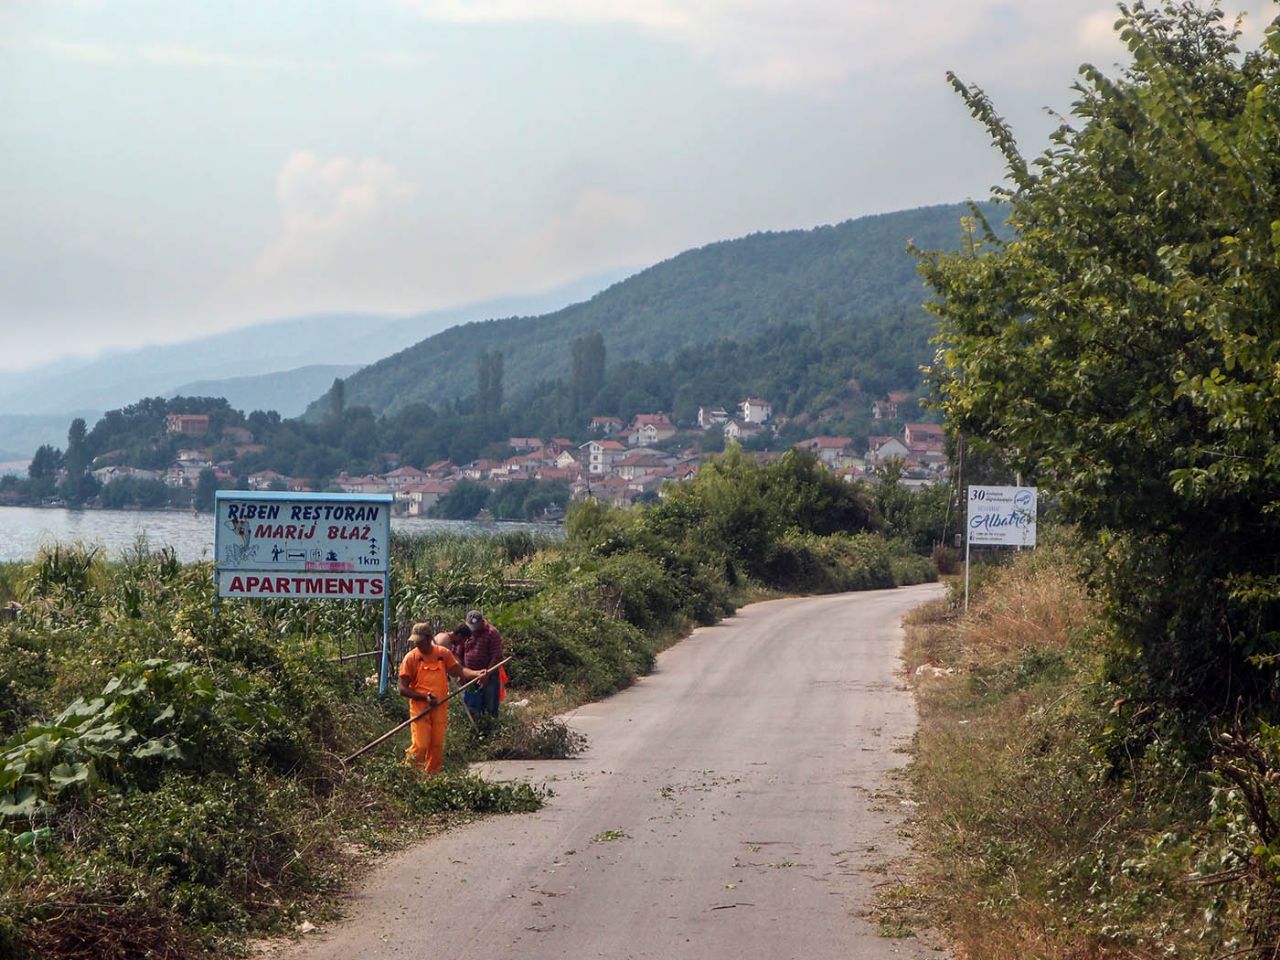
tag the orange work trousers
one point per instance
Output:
(426, 746)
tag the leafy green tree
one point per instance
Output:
(1122, 347)
(43, 470)
(73, 488)
(489, 383)
(206, 487)
(337, 399)
(463, 502)
(587, 376)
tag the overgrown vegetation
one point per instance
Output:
(1050, 830)
(171, 781)
(1120, 351)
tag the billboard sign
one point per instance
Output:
(1002, 516)
(302, 545)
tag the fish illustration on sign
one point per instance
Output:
(243, 548)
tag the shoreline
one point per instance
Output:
(202, 513)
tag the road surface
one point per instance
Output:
(731, 804)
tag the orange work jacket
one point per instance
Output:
(429, 673)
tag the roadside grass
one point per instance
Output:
(1034, 839)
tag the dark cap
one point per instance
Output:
(474, 618)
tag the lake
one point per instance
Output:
(23, 530)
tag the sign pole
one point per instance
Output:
(386, 638)
(966, 571)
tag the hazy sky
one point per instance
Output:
(170, 168)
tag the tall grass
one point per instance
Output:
(1038, 837)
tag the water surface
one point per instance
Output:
(24, 530)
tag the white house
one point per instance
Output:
(600, 455)
(741, 430)
(650, 428)
(400, 477)
(755, 410)
(709, 417)
(638, 465)
(882, 449)
(832, 451)
(415, 499)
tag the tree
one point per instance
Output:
(489, 383)
(587, 376)
(337, 399)
(206, 486)
(463, 502)
(1121, 349)
(73, 488)
(43, 470)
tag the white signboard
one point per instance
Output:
(297, 545)
(1002, 516)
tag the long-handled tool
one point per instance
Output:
(439, 703)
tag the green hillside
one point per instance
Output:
(849, 275)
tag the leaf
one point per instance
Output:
(162, 749)
(68, 774)
(22, 803)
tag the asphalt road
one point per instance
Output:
(735, 803)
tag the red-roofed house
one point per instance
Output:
(650, 428)
(882, 449)
(636, 466)
(926, 434)
(400, 476)
(187, 424)
(601, 455)
(741, 430)
(832, 451)
(755, 410)
(887, 409)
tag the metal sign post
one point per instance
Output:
(305, 546)
(999, 516)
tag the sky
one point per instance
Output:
(175, 168)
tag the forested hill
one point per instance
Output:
(849, 275)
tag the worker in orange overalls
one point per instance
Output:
(424, 680)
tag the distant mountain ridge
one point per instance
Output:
(232, 360)
(287, 392)
(854, 272)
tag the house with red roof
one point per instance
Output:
(648, 429)
(600, 455)
(755, 410)
(416, 499)
(833, 451)
(400, 476)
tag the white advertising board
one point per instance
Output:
(299, 546)
(1002, 516)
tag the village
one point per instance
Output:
(620, 464)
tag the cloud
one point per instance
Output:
(592, 227)
(177, 55)
(181, 55)
(328, 206)
(97, 54)
(811, 46)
